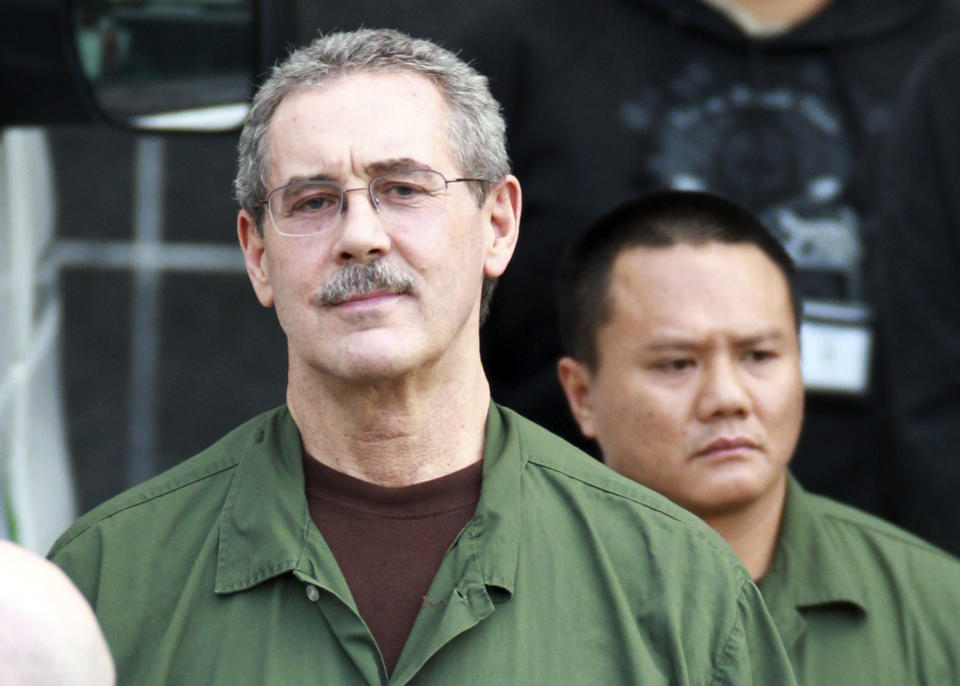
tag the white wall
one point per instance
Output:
(36, 488)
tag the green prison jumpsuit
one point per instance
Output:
(213, 574)
(859, 601)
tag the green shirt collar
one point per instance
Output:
(806, 571)
(263, 525)
(496, 523)
(266, 528)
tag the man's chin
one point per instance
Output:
(729, 494)
(377, 360)
(713, 508)
(374, 369)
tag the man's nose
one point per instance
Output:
(723, 392)
(361, 234)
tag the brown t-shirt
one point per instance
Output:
(389, 541)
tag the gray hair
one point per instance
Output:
(477, 133)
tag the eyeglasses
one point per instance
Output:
(403, 197)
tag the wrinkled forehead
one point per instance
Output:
(359, 119)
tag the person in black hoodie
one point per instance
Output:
(606, 100)
(918, 282)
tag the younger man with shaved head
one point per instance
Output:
(680, 315)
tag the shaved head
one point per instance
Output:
(49, 636)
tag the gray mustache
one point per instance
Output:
(360, 279)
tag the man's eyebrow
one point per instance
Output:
(302, 178)
(371, 170)
(771, 336)
(680, 343)
(395, 164)
(673, 344)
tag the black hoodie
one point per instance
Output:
(918, 289)
(608, 99)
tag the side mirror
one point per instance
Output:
(171, 65)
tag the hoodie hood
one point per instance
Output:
(841, 21)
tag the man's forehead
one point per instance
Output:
(690, 268)
(347, 94)
(370, 122)
(712, 287)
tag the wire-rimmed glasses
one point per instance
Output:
(310, 206)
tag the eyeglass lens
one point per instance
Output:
(305, 207)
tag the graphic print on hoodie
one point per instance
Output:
(610, 99)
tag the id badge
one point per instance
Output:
(836, 342)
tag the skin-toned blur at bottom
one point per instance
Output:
(697, 391)
(49, 635)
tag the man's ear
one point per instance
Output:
(577, 380)
(502, 212)
(254, 248)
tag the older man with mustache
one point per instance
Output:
(390, 524)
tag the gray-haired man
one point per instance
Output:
(390, 524)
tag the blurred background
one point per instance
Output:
(130, 338)
(131, 257)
